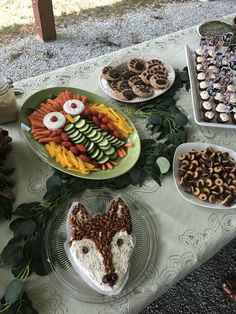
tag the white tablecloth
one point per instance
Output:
(187, 235)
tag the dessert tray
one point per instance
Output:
(187, 148)
(122, 165)
(195, 92)
(57, 263)
(121, 64)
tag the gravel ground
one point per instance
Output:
(199, 292)
(27, 57)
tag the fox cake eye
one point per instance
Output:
(85, 249)
(119, 242)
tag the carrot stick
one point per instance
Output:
(123, 151)
(37, 114)
(113, 162)
(37, 123)
(63, 96)
(120, 153)
(109, 165)
(78, 97)
(34, 129)
(129, 144)
(103, 167)
(84, 99)
(43, 132)
(47, 139)
(68, 95)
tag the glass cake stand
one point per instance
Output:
(58, 266)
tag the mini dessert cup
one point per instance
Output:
(206, 106)
(223, 118)
(208, 116)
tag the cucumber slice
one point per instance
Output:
(84, 128)
(113, 156)
(110, 151)
(90, 146)
(74, 134)
(104, 148)
(71, 131)
(120, 143)
(104, 142)
(80, 124)
(164, 164)
(92, 134)
(69, 127)
(103, 160)
(81, 140)
(97, 138)
(89, 130)
(100, 156)
(95, 153)
(78, 137)
(76, 118)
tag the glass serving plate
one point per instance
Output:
(58, 265)
(124, 164)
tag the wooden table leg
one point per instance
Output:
(44, 19)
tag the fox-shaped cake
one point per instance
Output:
(100, 246)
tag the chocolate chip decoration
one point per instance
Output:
(119, 242)
(85, 249)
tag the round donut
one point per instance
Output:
(111, 74)
(73, 107)
(136, 65)
(54, 120)
(142, 90)
(159, 82)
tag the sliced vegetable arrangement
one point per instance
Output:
(81, 136)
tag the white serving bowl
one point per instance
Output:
(185, 148)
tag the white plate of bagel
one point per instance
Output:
(205, 175)
(133, 79)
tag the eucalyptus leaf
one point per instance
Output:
(177, 138)
(155, 119)
(181, 119)
(26, 228)
(14, 291)
(54, 181)
(137, 176)
(12, 254)
(27, 209)
(39, 267)
(184, 76)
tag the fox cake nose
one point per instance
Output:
(110, 279)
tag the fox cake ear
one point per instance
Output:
(81, 213)
(118, 208)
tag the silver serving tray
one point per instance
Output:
(195, 92)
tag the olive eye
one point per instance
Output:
(119, 242)
(85, 249)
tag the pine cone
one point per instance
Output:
(5, 147)
(5, 187)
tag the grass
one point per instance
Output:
(16, 17)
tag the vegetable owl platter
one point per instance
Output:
(79, 133)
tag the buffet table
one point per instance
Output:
(185, 235)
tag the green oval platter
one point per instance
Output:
(33, 102)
